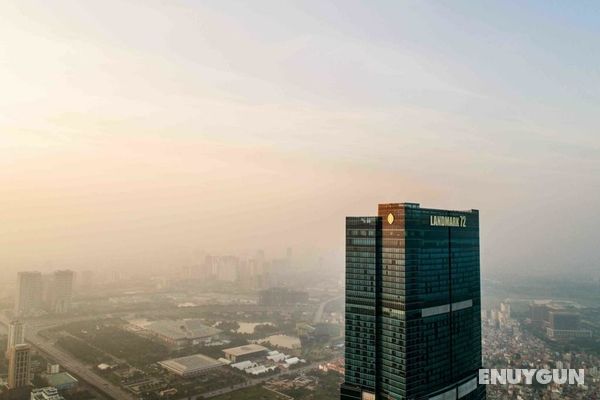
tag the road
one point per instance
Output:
(319, 314)
(71, 364)
(85, 373)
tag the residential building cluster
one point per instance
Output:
(508, 344)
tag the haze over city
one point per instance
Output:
(299, 200)
(140, 134)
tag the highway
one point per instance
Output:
(86, 373)
(70, 363)
(319, 314)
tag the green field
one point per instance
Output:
(107, 336)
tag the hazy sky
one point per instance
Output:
(144, 132)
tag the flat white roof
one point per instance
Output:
(246, 349)
(190, 364)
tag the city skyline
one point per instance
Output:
(126, 144)
(185, 190)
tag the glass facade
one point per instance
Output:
(363, 237)
(413, 322)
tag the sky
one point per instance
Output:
(136, 133)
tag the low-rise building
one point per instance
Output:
(260, 369)
(179, 333)
(292, 361)
(47, 393)
(52, 368)
(62, 381)
(244, 365)
(246, 352)
(190, 365)
(276, 356)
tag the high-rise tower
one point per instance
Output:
(19, 364)
(62, 291)
(16, 335)
(29, 292)
(413, 320)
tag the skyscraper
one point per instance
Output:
(29, 292)
(19, 361)
(62, 291)
(16, 335)
(413, 305)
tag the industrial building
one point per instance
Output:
(246, 352)
(190, 365)
(178, 334)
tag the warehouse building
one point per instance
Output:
(177, 334)
(190, 365)
(246, 352)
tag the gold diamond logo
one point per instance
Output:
(390, 218)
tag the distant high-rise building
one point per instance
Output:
(413, 305)
(504, 317)
(29, 292)
(19, 365)
(561, 320)
(61, 293)
(505, 309)
(226, 268)
(16, 335)
(565, 324)
(538, 312)
(87, 280)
